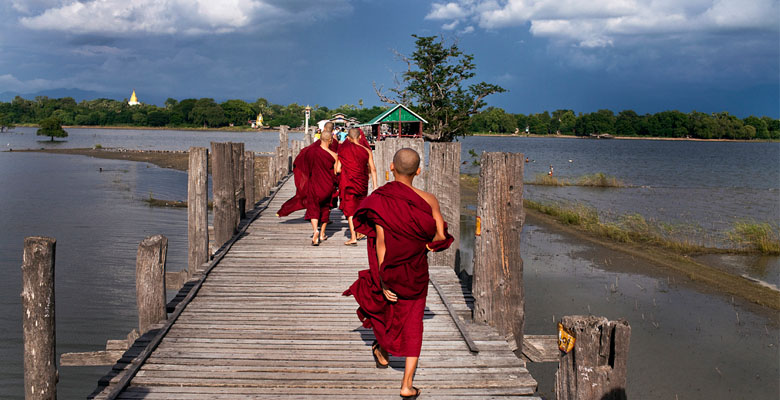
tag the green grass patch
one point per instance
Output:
(757, 236)
(600, 180)
(632, 228)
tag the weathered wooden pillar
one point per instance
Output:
(382, 167)
(596, 368)
(197, 209)
(238, 180)
(40, 352)
(150, 281)
(260, 178)
(222, 184)
(272, 172)
(498, 268)
(249, 179)
(443, 181)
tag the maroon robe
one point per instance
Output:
(409, 228)
(315, 184)
(363, 141)
(353, 181)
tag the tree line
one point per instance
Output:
(187, 113)
(672, 124)
(206, 112)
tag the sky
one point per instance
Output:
(645, 55)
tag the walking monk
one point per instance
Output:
(315, 184)
(402, 224)
(354, 164)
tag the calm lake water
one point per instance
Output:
(99, 219)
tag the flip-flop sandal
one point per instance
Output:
(350, 244)
(414, 396)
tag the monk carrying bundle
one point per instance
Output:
(315, 184)
(402, 224)
(354, 164)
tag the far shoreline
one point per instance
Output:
(296, 130)
(531, 136)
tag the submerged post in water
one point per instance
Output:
(40, 364)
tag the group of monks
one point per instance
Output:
(401, 225)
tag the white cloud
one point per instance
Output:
(467, 29)
(446, 11)
(123, 17)
(604, 23)
(450, 26)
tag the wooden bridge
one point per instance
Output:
(266, 320)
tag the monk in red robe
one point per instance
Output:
(315, 183)
(354, 165)
(402, 223)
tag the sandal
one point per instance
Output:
(317, 237)
(350, 243)
(374, 348)
(414, 396)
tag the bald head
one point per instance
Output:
(354, 133)
(406, 162)
(326, 135)
(328, 127)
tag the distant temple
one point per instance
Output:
(133, 100)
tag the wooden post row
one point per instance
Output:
(443, 181)
(595, 369)
(223, 187)
(249, 180)
(383, 155)
(498, 267)
(40, 364)
(197, 209)
(150, 281)
(238, 179)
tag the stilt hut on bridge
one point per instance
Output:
(398, 121)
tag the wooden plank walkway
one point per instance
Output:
(269, 322)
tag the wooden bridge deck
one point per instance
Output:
(269, 321)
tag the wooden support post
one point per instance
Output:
(443, 181)
(150, 281)
(40, 363)
(225, 212)
(273, 178)
(596, 368)
(197, 209)
(498, 268)
(249, 179)
(238, 180)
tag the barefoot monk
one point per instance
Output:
(402, 224)
(354, 164)
(315, 184)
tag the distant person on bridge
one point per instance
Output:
(315, 184)
(402, 224)
(354, 165)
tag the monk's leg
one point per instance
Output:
(407, 389)
(315, 235)
(353, 238)
(324, 216)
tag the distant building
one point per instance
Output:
(133, 100)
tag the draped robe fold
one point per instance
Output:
(353, 181)
(315, 183)
(409, 228)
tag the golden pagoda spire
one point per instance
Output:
(133, 99)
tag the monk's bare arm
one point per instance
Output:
(372, 167)
(337, 166)
(435, 213)
(381, 249)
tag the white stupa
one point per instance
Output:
(133, 100)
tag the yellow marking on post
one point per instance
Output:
(565, 339)
(387, 175)
(478, 229)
